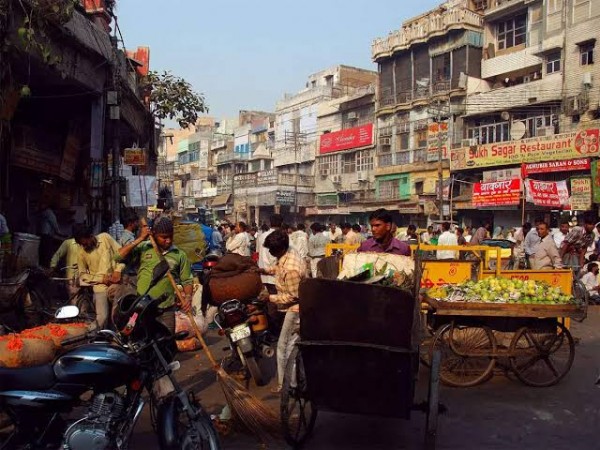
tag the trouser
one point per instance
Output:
(313, 266)
(101, 306)
(287, 339)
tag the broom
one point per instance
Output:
(250, 410)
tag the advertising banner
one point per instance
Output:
(346, 139)
(564, 146)
(552, 194)
(596, 181)
(570, 165)
(436, 133)
(581, 194)
(497, 193)
(285, 198)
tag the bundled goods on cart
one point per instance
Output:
(36, 346)
(502, 290)
(379, 268)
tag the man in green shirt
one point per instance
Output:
(162, 231)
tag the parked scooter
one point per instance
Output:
(247, 328)
(117, 367)
(203, 268)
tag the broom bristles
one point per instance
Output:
(251, 411)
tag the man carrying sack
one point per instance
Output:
(162, 231)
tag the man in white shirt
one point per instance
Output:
(446, 238)
(239, 242)
(590, 281)
(562, 232)
(299, 241)
(265, 259)
(426, 236)
(335, 234)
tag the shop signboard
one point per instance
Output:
(346, 139)
(577, 144)
(134, 156)
(436, 133)
(285, 198)
(553, 194)
(266, 177)
(581, 194)
(497, 193)
(141, 191)
(596, 181)
(570, 165)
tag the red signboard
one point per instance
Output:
(556, 166)
(347, 139)
(553, 194)
(497, 193)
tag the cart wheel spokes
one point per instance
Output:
(542, 358)
(298, 414)
(467, 354)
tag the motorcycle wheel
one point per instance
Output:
(254, 370)
(196, 434)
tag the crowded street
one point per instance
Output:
(305, 225)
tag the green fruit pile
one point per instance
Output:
(503, 290)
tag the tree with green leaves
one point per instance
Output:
(172, 97)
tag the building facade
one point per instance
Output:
(426, 71)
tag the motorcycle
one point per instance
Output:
(247, 329)
(203, 268)
(117, 368)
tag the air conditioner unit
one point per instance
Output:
(385, 141)
(337, 178)
(469, 142)
(587, 79)
(362, 176)
(352, 115)
(324, 172)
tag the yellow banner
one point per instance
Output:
(581, 194)
(548, 148)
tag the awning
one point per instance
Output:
(221, 200)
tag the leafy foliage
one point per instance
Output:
(172, 97)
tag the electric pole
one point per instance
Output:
(115, 117)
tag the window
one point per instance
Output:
(389, 189)
(553, 63)
(348, 163)
(487, 133)
(587, 53)
(421, 138)
(329, 80)
(512, 32)
(419, 186)
(554, 6)
(364, 160)
(329, 164)
(402, 141)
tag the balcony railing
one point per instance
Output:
(289, 179)
(232, 157)
(423, 28)
(394, 159)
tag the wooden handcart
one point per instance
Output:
(358, 353)
(531, 341)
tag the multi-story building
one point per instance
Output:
(288, 188)
(344, 176)
(536, 91)
(426, 70)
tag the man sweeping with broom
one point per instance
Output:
(162, 231)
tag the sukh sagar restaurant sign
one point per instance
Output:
(584, 143)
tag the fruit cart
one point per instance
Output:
(517, 325)
(358, 354)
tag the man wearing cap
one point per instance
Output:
(162, 230)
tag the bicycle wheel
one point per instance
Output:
(542, 357)
(467, 354)
(298, 414)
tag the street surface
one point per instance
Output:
(500, 414)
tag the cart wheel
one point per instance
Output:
(298, 414)
(541, 358)
(467, 354)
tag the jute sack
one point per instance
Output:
(18, 351)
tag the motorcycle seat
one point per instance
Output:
(27, 378)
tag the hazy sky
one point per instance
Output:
(247, 54)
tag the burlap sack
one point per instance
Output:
(56, 332)
(243, 286)
(17, 351)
